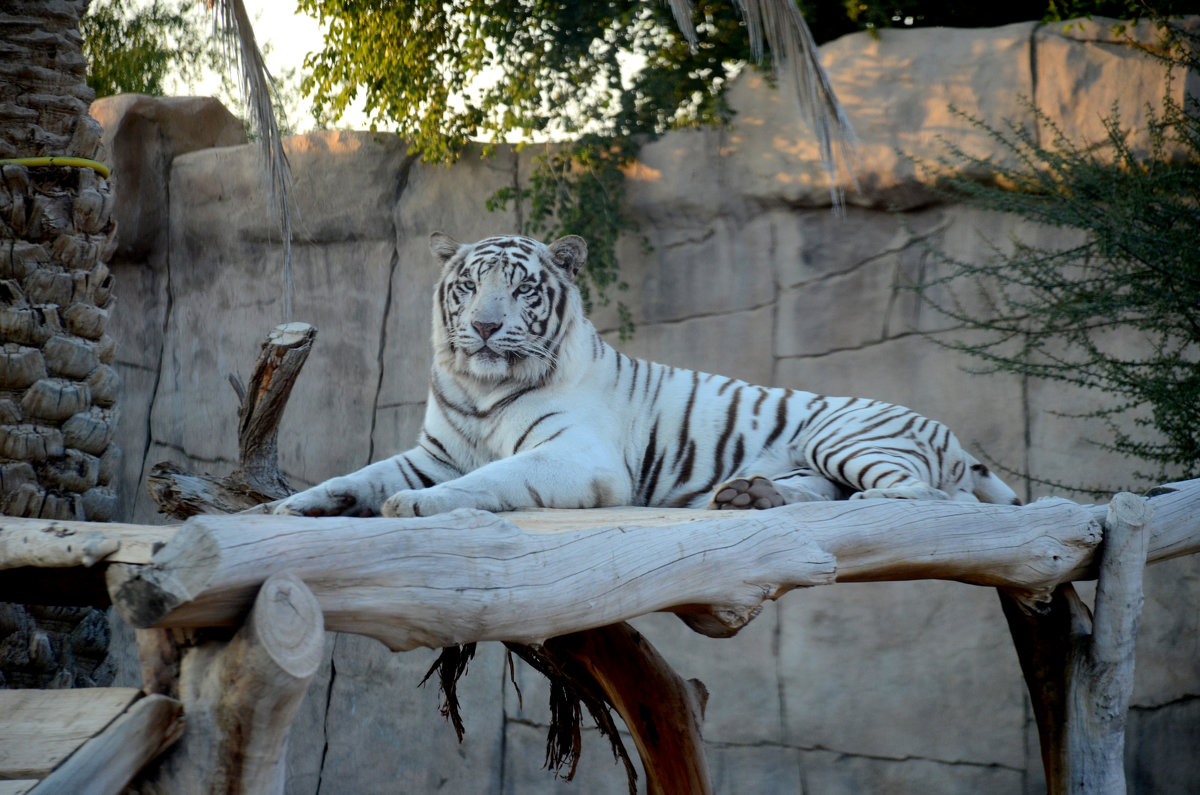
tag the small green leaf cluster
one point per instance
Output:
(1119, 310)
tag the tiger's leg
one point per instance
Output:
(362, 493)
(759, 492)
(549, 475)
(902, 486)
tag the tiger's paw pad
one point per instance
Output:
(745, 494)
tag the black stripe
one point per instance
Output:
(648, 456)
(682, 444)
(426, 481)
(533, 425)
(445, 459)
(781, 416)
(551, 438)
(653, 484)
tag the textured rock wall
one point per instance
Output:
(889, 687)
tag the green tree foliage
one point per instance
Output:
(134, 48)
(603, 76)
(1070, 314)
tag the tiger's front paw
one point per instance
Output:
(325, 499)
(418, 502)
(746, 493)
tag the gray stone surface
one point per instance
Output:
(382, 734)
(856, 691)
(826, 772)
(143, 135)
(737, 344)
(894, 687)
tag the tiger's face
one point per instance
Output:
(503, 305)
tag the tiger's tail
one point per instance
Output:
(989, 488)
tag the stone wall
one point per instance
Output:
(889, 687)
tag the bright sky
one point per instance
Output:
(290, 36)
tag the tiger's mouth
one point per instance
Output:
(488, 354)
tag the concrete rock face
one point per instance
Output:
(890, 687)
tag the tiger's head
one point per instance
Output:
(505, 305)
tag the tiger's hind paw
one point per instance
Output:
(918, 492)
(746, 493)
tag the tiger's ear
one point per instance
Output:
(443, 246)
(569, 253)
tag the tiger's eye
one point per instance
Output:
(467, 284)
(524, 289)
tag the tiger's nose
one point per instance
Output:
(486, 330)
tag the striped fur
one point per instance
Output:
(529, 407)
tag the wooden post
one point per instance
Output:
(1080, 670)
(240, 697)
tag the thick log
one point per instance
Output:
(240, 697)
(1080, 670)
(54, 562)
(662, 711)
(471, 576)
(52, 543)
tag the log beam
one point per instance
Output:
(471, 576)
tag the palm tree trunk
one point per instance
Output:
(57, 384)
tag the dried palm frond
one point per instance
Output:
(232, 27)
(682, 11)
(779, 25)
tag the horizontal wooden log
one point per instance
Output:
(54, 562)
(183, 496)
(48, 543)
(471, 576)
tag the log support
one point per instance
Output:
(1079, 668)
(662, 711)
(240, 697)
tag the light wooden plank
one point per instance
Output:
(17, 787)
(39, 729)
(106, 763)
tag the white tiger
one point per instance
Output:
(529, 407)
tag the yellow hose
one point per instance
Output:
(79, 162)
